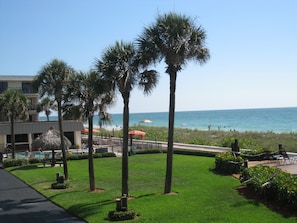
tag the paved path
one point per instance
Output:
(19, 203)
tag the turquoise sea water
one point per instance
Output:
(266, 119)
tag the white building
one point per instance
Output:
(27, 131)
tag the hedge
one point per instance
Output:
(23, 162)
(272, 183)
(227, 163)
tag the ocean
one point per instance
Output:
(260, 120)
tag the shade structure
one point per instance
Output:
(86, 131)
(50, 140)
(139, 133)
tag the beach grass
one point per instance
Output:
(201, 194)
(247, 140)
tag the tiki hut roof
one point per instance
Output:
(50, 140)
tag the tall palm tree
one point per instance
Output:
(120, 66)
(176, 40)
(13, 104)
(87, 92)
(51, 81)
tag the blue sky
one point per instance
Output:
(252, 44)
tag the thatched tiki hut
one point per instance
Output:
(50, 140)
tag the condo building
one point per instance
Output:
(27, 131)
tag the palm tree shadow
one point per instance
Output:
(86, 210)
(96, 208)
(27, 167)
(146, 195)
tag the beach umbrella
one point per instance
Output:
(50, 140)
(139, 133)
(86, 131)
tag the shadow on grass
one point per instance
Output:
(273, 205)
(217, 172)
(85, 210)
(146, 195)
(26, 167)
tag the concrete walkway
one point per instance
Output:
(19, 203)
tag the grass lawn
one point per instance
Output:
(202, 196)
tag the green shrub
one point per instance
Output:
(86, 156)
(59, 185)
(228, 163)
(34, 160)
(149, 151)
(103, 155)
(121, 215)
(14, 162)
(272, 183)
(227, 141)
(194, 152)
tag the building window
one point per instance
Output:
(3, 86)
(27, 88)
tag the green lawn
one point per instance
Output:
(202, 196)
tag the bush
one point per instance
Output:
(104, 155)
(60, 185)
(86, 156)
(14, 162)
(34, 160)
(149, 151)
(121, 215)
(194, 152)
(228, 163)
(272, 183)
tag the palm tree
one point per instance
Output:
(176, 40)
(104, 117)
(46, 105)
(87, 92)
(14, 106)
(51, 81)
(120, 66)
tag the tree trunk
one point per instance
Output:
(169, 162)
(125, 148)
(12, 136)
(62, 140)
(91, 150)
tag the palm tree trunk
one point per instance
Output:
(91, 160)
(169, 163)
(62, 140)
(12, 136)
(125, 148)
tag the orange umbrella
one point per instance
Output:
(139, 133)
(86, 131)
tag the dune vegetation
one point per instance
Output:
(247, 140)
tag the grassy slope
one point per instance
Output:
(202, 196)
